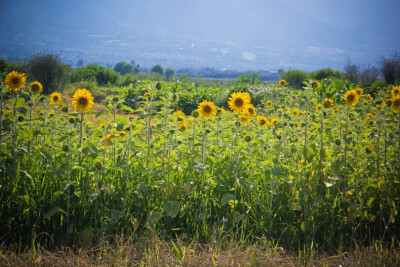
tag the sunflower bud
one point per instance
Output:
(158, 86)
(247, 138)
(20, 118)
(338, 141)
(65, 148)
(98, 165)
(71, 120)
(196, 114)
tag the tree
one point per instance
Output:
(157, 69)
(124, 67)
(79, 64)
(49, 71)
(294, 78)
(352, 72)
(169, 73)
(391, 68)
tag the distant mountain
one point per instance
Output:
(196, 34)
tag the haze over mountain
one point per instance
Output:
(231, 34)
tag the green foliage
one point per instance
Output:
(243, 82)
(391, 69)
(294, 78)
(49, 71)
(324, 73)
(124, 67)
(157, 69)
(95, 72)
(169, 73)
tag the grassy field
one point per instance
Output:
(313, 171)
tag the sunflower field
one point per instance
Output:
(307, 169)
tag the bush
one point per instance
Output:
(157, 69)
(294, 78)
(124, 68)
(48, 70)
(324, 73)
(95, 72)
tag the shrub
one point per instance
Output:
(324, 73)
(294, 78)
(157, 69)
(124, 68)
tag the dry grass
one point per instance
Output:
(176, 253)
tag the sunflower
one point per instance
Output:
(262, 121)
(121, 133)
(274, 121)
(244, 119)
(182, 127)
(328, 103)
(36, 87)
(318, 107)
(238, 101)
(107, 139)
(335, 111)
(368, 149)
(269, 103)
(365, 103)
(396, 103)
(369, 97)
(296, 112)
(207, 109)
(359, 91)
(315, 85)
(250, 110)
(282, 82)
(82, 99)
(395, 91)
(369, 115)
(294, 96)
(351, 97)
(55, 97)
(222, 110)
(102, 125)
(180, 113)
(15, 81)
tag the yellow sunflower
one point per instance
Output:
(294, 96)
(107, 139)
(182, 127)
(396, 103)
(365, 103)
(207, 109)
(351, 97)
(395, 91)
(369, 97)
(262, 121)
(244, 119)
(121, 133)
(274, 121)
(55, 97)
(359, 91)
(315, 85)
(222, 110)
(269, 103)
(82, 99)
(328, 103)
(296, 112)
(238, 101)
(282, 82)
(36, 87)
(250, 110)
(335, 111)
(318, 107)
(15, 81)
(180, 113)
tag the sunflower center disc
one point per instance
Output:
(238, 102)
(15, 81)
(207, 109)
(82, 101)
(35, 88)
(55, 98)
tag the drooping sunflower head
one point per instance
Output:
(359, 91)
(250, 110)
(315, 85)
(396, 103)
(82, 99)
(395, 91)
(274, 121)
(55, 97)
(369, 150)
(318, 107)
(328, 103)
(36, 87)
(262, 121)
(238, 101)
(282, 82)
(244, 119)
(180, 114)
(296, 112)
(15, 81)
(207, 109)
(182, 127)
(351, 97)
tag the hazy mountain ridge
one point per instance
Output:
(231, 34)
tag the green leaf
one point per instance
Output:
(20, 101)
(110, 106)
(226, 198)
(172, 208)
(101, 112)
(53, 211)
(28, 133)
(127, 108)
(45, 154)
